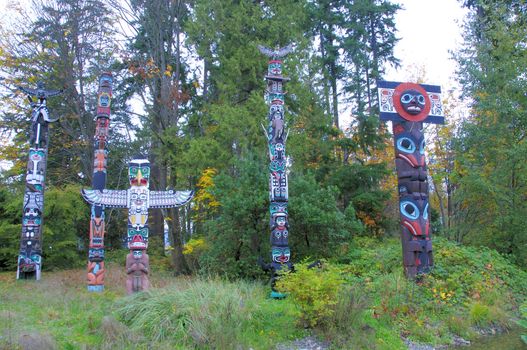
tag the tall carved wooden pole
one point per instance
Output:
(138, 199)
(278, 186)
(30, 255)
(408, 106)
(97, 228)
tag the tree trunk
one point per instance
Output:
(178, 258)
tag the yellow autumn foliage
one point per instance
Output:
(196, 245)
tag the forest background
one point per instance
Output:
(195, 68)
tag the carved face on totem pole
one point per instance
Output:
(36, 167)
(96, 254)
(279, 230)
(411, 102)
(410, 158)
(414, 215)
(410, 144)
(281, 255)
(138, 174)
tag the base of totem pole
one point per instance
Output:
(277, 295)
(96, 288)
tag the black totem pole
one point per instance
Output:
(96, 269)
(408, 106)
(278, 186)
(30, 254)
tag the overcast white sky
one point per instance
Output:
(428, 29)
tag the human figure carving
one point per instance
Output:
(137, 267)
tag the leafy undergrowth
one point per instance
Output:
(377, 307)
(364, 303)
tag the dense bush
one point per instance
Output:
(315, 290)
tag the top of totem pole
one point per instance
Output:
(106, 79)
(40, 92)
(139, 171)
(410, 102)
(274, 71)
(276, 53)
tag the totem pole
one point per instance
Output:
(138, 199)
(278, 190)
(96, 246)
(408, 106)
(30, 255)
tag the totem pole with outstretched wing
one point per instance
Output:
(138, 199)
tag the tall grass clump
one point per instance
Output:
(203, 313)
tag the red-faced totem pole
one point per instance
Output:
(30, 255)
(138, 199)
(408, 106)
(278, 190)
(97, 229)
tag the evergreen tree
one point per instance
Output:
(491, 148)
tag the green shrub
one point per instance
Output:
(314, 290)
(479, 313)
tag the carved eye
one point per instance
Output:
(422, 147)
(425, 213)
(409, 210)
(406, 145)
(421, 99)
(406, 98)
(145, 171)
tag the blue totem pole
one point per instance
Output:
(30, 255)
(97, 228)
(408, 106)
(278, 187)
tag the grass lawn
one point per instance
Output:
(360, 302)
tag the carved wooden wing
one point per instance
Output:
(106, 198)
(169, 199)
